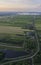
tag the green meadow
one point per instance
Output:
(13, 28)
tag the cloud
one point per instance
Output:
(20, 5)
(21, 1)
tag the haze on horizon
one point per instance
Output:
(20, 5)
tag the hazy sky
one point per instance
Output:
(20, 5)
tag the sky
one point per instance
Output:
(20, 5)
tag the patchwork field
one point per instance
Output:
(13, 28)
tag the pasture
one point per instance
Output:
(12, 25)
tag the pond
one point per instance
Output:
(13, 53)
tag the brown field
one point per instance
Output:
(12, 30)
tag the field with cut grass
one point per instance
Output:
(12, 30)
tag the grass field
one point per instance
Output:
(10, 26)
(12, 30)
